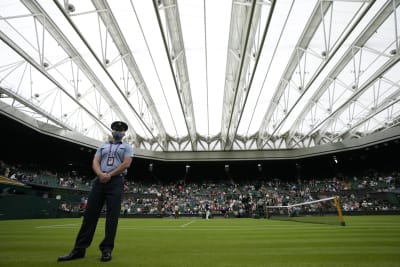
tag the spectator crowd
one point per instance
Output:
(364, 192)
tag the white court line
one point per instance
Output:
(201, 228)
(64, 226)
(175, 228)
(72, 225)
(186, 224)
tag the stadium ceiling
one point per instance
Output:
(204, 75)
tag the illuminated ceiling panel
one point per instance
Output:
(202, 75)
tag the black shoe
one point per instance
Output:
(106, 256)
(72, 256)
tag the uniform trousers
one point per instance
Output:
(102, 193)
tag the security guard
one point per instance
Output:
(110, 164)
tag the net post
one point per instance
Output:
(339, 211)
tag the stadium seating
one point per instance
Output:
(365, 193)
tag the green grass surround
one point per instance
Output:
(365, 241)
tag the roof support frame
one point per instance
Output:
(354, 97)
(305, 40)
(239, 102)
(388, 102)
(143, 123)
(177, 65)
(241, 21)
(306, 37)
(115, 32)
(37, 109)
(48, 23)
(364, 36)
(40, 68)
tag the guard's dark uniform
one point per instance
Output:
(109, 156)
(110, 194)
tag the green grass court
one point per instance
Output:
(365, 241)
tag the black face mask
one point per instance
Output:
(117, 136)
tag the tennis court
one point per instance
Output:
(364, 241)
